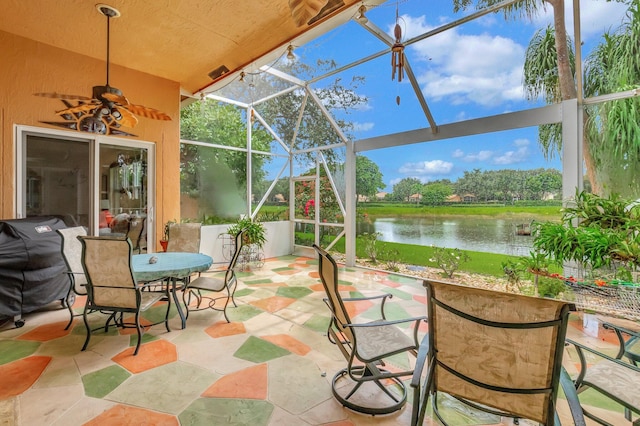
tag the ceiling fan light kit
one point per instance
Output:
(108, 109)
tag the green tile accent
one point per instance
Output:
(398, 293)
(293, 292)
(260, 281)
(401, 279)
(318, 323)
(243, 292)
(312, 262)
(285, 268)
(258, 350)
(11, 350)
(244, 274)
(100, 383)
(231, 412)
(146, 337)
(156, 314)
(243, 313)
(393, 311)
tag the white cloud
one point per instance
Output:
(478, 156)
(521, 142)
(464, 68)
(511, 157)
(363, 127)
(458, 153)
(433, 167)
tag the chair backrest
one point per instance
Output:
(184, 237)
(329, 276)
(230, 274)
(107, 265)
(136, 227)
(497, 349)
(72, 254)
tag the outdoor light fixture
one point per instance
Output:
(290, 54)
(360, 15)
(242, 77)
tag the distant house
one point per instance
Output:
(381, 195)
(455, 198)
(415, 197)
(279, 198)
(362, 198)
(468, 198)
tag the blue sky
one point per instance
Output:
(474, 70)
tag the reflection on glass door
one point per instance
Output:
(56, 179)
(97, 182)
(124, 192)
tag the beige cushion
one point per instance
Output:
(616, 380)
(375, 341)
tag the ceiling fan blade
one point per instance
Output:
(55, 95)
(127, 119)
(80, 108)
(118, 99)
(148, 112)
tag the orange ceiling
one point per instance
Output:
(180, 40)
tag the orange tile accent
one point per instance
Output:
(421, 299)
(150, 355)
(250, 383)
(289, 343)
(18, 376)
(223, 329)
(273, 304)
(356, 308)
(314, 274)
(390, 283)
(287, 272)
(46, 332)
(124, 415)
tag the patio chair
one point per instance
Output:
(112, 287)
(495, 352)
(184, 237)
(216, 285)
(366, 346)
(135, 232)
(612, 376)
(72, 255)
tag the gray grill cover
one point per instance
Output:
(32, 270)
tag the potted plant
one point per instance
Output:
(255, 236)
(255, 232)
(600, 234)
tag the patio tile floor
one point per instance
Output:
(271, 366)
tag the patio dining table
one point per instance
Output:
(172, 266)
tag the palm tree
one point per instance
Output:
(613, 127)
(558, 87)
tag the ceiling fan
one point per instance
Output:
(107, 110)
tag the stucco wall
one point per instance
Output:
(28, 67)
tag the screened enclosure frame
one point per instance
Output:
(569, 113)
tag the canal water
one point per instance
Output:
(466, 233)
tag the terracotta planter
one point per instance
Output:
(164, 244)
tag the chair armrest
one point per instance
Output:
(421, 360)
(384, 298)
(624, 347)
(572, 398)
(583, 362)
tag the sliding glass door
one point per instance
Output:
(98, 182)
